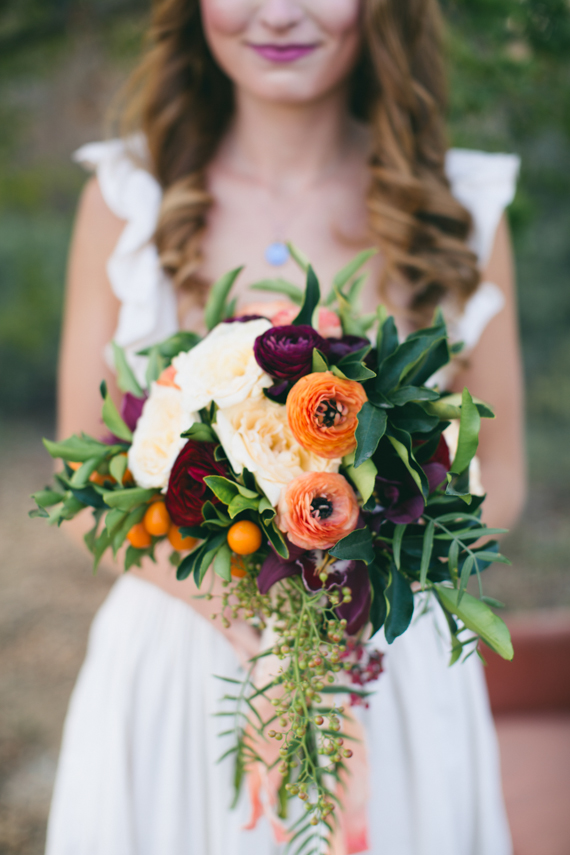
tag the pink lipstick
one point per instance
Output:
(283, 53)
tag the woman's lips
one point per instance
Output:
(282, 53)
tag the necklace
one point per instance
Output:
(277, 253)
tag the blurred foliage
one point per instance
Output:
(510, 91)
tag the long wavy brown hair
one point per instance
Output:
(183, 103)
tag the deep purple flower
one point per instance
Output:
(243, 319)
(131, 409)
(286, 353)
(341, 574)
(340, 347)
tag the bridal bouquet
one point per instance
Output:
(303, 461)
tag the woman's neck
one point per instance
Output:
(290, 147)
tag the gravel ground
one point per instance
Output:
(49, 596)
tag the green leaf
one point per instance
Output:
(483, 555)
(405, 358)
(437, 356)
(114, 519)
(239, 504)
(491, 601)
(46, 498)
(80, 448)
(298, 257)
(280, 286)
(134, 557)
(224, 489)
(386, 338)
(479, 618)
(370, 430)
(200, 432)
(402, 443)
(183, 340)
(469, 426)
(128, 498)
(320, 363)
(465, 576)
(81, 476)
(453, 561)
(113, 420)
(121, 531)
(219, 292)
(356, 546)
(100, 546)
(155, 367)
(356, 371)
(266, 510)
(364, 478)
(276, 539)
(426, 552)
(449, 407)
(399, 532)
(400, 605)
(412, 393)
(347, 272)
(222, 563)
(118, 467)
(413, 419)
(126, 380)
(310, 301)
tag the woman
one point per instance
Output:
(319, 122)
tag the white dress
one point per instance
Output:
(138, 771)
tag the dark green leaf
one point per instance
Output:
(356, 546)
(356, 371)
(126, 380)
(465, 575)
(219, 292)
(437, 356)
(402, 443)
(386, 340)
(370, 430)
(378, 608)
(405, 358)
(413, 419)
(400, 605)
(311, 300)
(412, 393)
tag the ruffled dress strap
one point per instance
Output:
(485, 184)
(148, 312)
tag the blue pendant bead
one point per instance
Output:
(277, 253)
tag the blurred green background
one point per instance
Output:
(61, 61)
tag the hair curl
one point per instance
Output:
(183, 102)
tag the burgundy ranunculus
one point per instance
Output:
(340, 347)
(286, 353)
(187, 493)
(341, 574)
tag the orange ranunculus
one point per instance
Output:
(317, 509)
(323, 413)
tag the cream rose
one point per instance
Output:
(222, 368)
(256, 436)
(157, 441)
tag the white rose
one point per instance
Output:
(256, 435)
(157, 441)
(222, 368)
